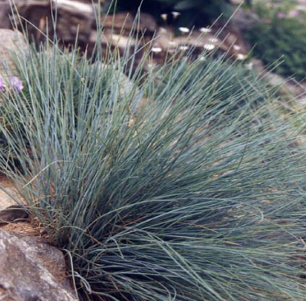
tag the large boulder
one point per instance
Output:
(5, 10)
(31, 269)
(5, 199)
(74, 19)
(244, 19)
(11, 42)
(146, 24)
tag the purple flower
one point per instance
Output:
(281, 15)
(293, 14)
(2, 84)
(15, 83)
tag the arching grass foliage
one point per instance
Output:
(166, 188)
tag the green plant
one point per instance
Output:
(189, 196)
(192, 12)
(275, 38)
(228, 78)
(269, 9)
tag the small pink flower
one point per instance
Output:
(2, 84)
(281, 15)
(15, 83)
(293, 14)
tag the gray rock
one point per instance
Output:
(5, 10)
(74, 19)
(288, 86)
(5, 199)
(145, 24)
(11, 42)
(14, 213)
(126, 87)
(244, 19)
(31, 269)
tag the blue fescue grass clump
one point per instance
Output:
(161, 188)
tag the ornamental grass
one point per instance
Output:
(168, 184)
